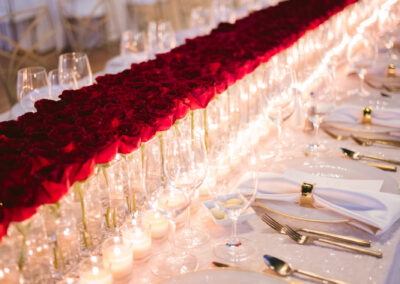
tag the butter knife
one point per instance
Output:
(357, 156)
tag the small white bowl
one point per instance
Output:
(226, 221)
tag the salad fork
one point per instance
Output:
(281, 229)
(304, 240)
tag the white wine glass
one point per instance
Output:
(32, 85)
(232, 198)
(74, 71)
(361, 55)
(319, 101)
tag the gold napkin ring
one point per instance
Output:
(306, 197)
(366, 119)
(391, 70)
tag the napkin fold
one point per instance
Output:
(377, 76)
(360, 200)
(353, 114)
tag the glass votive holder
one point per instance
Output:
(139, 234)
(158, 223)
(94, 271)
(118, 255)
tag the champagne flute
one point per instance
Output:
(361, 55)
(74, 71)
(32, 85)
(388, 23)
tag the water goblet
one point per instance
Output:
(280, 102)
(186, 169)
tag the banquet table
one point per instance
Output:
(334, 263)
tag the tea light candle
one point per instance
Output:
(118, 254)
(140, 237)
(158, 224)
(93, 271)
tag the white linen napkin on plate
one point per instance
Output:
(353, 114)
(377, 76)
(360, 200)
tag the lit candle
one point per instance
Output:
(140, 237)
(93, 271)
(118, 255)
(158, 224)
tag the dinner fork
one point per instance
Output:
(281, 229)
(303, 240)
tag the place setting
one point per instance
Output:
(224, 142)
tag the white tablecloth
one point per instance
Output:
(333, 263)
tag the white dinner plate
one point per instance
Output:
(223, 276)
(326, 167)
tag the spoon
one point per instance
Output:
(284, 269)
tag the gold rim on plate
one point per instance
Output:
(301, 218)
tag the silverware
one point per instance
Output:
(281, 229)
(357, 156)
(284, 269)
(220, 264)
(382, 167)
(304, 240)
(333, 135)
(368, 141)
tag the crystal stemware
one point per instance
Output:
(233, 197)
(186, 169)
(74, 70)
(280, 102)
(319, 101)
(161, 37)
(32, 85)
(361, 55)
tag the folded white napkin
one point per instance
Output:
(377, 76)
(353, 114)
(360, 200)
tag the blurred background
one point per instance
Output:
(35, 33)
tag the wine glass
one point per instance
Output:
(55, 86)
(153, 169)
(319, 101)
(361, 55)
(280, 101)
(134, 44)
(32, 85)
(186, 169)
(74, 70)
(161, 37)
(388, 22)
(232, 196)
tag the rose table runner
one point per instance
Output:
(44, 153)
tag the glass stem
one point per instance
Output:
(316, 132)
(172, 236)
(234, 238)
(187, 217)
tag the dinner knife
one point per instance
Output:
(389, 142)
(357, 156)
